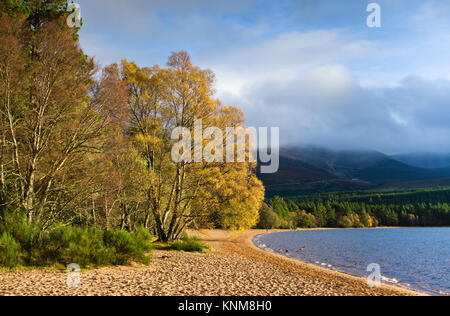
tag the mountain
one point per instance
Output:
(343, 164)
(424, 160)
(389, 171)
(312, 169)
(296, 177)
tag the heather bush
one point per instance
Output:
(129, 247)
(189, 244)
(30, 245)
(9, 251)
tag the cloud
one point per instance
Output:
(328, 107)
(147, 31)
(311, 67)
(283, 57)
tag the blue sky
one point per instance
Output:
(313, 67)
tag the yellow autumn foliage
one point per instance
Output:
(183, 194)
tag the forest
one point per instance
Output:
(405, 208)
(85, 151)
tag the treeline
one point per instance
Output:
(288, 214)
(399, 197)
(89, 147)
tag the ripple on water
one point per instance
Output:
(416, 258)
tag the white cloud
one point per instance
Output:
(282, 58)
(328, 107)
(386, 89)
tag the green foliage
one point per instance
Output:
(398, 197)
(287, 213)
(268, 219)
(129, 246)
(368, 209)
(23, 244)
(143, 239)
(189, 244)
(13, 7)
(9, 251)
(26, 235)
(84, 246)
(280, 207)
(305, 220)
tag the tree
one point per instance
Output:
(12, 70)
(162, 99)
(76, 150)
(118, 190)
(37, 12)
(366, 219)
(280, 207)
(50, 123)
(306, 220)
(268, 219)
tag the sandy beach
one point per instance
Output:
(235, 267)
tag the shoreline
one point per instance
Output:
(234, 267)
(242, 243)
(391, 287)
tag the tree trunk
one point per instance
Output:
(29, 195)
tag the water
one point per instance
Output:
(416, 258)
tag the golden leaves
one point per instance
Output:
(162, 99)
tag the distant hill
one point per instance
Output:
(427, 184)
(343, 164)
(389, 170)
(296, 177)
(425, 160)
(313, 169)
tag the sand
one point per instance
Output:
(235, 267)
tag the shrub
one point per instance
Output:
(9, 251)
(83, 246)
(187, 244)
(94, 247)
(268, 219)
(129, 246)
(27, 236)
(31, 246)
(143, 239)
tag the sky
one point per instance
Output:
(311, 67)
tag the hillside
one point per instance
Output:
(424, 160)
(343, 164)
(314, 169)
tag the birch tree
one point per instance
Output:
(181, 194)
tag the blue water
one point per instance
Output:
(416, 258)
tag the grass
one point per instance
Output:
(189, 244)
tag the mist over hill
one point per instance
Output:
(314, 169)
(425, 160)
